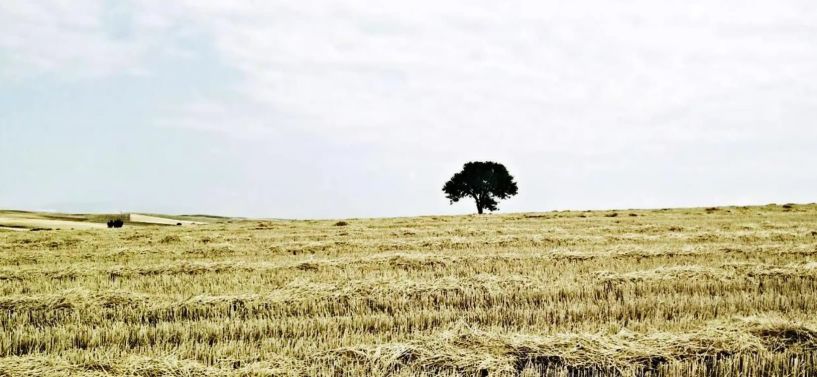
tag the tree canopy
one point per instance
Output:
(485, 182)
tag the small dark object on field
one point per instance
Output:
(582, 216)
(814, 234)
(614, 214)
(712, 209)
(633, 215)
(788, 206)
(118, 223)
(341, 223)
(170, 239)
(307, 266)
(178, 224)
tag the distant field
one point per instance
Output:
(21, 220)
(137, 218)
(728, 291)
(12, 229)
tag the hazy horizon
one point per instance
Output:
(721, 206)
(321, 109)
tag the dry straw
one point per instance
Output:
(688, 292)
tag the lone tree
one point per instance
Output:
(485, 182)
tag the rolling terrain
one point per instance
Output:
(23, 220)
(683, 292)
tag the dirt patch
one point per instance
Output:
(12, 229)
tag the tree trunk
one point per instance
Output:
(479, 208)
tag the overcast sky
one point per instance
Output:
(301, 109)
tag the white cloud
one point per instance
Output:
(84, 39)
(429, 70)
(583, 72)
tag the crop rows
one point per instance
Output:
(709, 292)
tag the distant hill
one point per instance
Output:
(15, 220)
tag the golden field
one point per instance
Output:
(728, 291)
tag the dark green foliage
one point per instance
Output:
(118, 223)
(485, 182)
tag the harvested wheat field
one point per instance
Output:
(728, 291)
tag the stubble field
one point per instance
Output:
(728, 291)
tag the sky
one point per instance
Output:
(364, 108)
